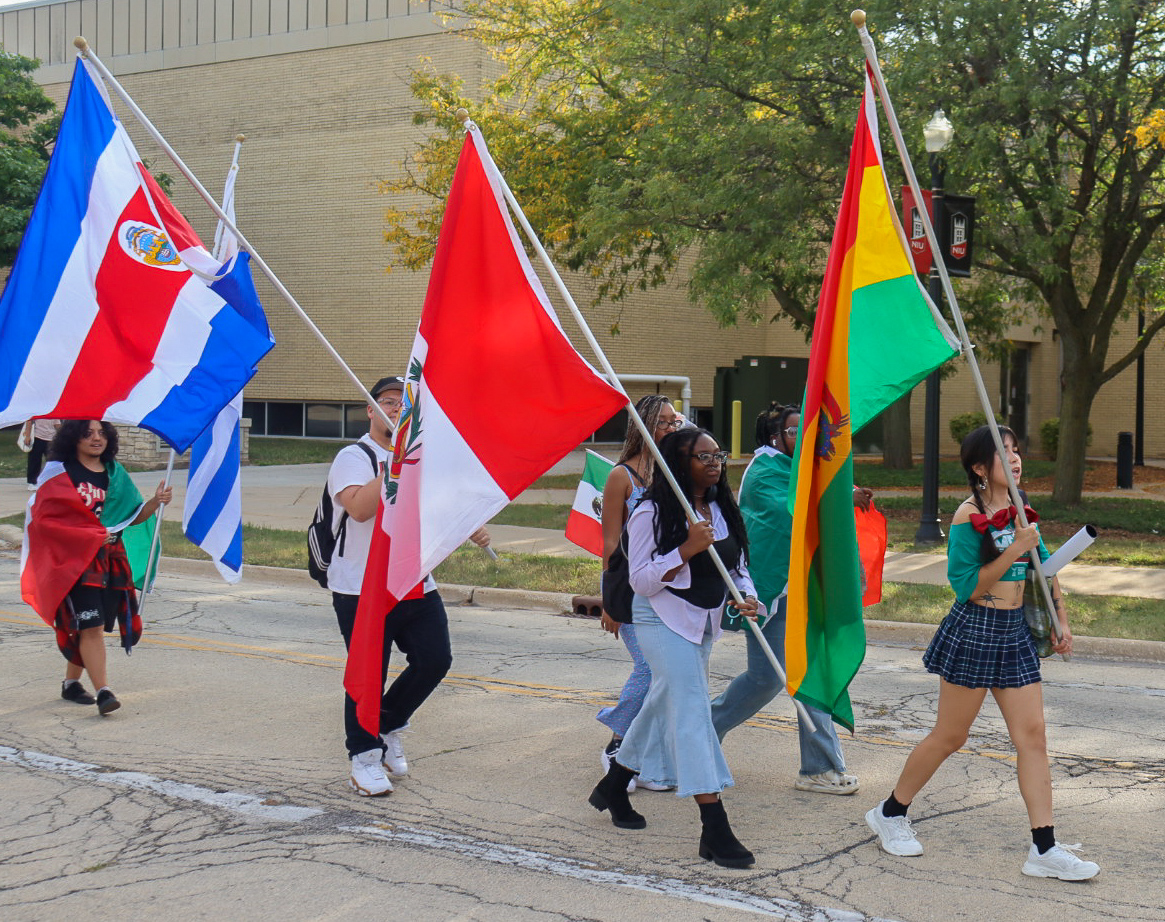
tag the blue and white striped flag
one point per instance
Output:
(212, 517)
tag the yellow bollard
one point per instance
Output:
(736, 407)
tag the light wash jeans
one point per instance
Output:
(754, 688)
(618, 717)
(672, 740)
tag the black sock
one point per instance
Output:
(1043, 837)
(894, 807)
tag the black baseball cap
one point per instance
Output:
(385, 384)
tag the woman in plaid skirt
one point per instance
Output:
(984, 644)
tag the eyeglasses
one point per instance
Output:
(669, 424)
(792, 431)
(710, 458)
(389, 403)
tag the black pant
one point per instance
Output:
(420, 629)
(39, 447)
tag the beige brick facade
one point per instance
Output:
(320, 89)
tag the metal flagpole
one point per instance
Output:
(648, 437)
(156, 543)
(858, 17)
(83, 47)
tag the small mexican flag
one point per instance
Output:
(585, 525)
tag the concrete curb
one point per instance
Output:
(558, 603)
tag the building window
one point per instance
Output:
(256, 411)
(285, 419)
(323, 421)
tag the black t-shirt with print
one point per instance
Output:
(91, 485)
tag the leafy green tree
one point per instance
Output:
(25, 141)
(638, 132)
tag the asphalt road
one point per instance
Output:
(218, 790)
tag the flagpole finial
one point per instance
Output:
(858, 18)
(240, 138)
(81, 44)
(462, 115)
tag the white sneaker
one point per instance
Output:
(1058, 861)
(830, 782)
(32, 488)
(605, 760)
(894, 833)
(653, 785)
(368, 778)
(394, 754)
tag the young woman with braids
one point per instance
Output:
(679, 598)
(984, 644)
(626, 484)
(764, 501)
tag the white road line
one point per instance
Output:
(247, 804)
(251, 806)
(785, 910)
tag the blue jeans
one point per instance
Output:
(671, 740)
(420, 629)
(754, 688)
(619, 716)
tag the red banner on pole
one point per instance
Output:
(912, 222)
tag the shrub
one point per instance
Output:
(1050, 437)
(966, 423)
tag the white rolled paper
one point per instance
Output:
(1070, 550)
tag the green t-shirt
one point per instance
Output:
(965, 557)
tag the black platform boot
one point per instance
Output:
(611, 794)
(717, 843)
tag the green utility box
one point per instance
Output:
(756, 381)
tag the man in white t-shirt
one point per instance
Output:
(418, 626)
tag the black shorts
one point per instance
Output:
(93, 606)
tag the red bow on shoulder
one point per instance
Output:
(1001, 519)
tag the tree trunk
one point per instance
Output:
(1079, 392)
(896, 447)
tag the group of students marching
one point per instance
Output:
(666, 728)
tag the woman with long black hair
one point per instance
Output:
(679, 599)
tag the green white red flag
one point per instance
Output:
(585, 525)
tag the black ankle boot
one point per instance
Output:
(717, 843)
(611, 794)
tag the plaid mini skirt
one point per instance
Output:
(980, 647)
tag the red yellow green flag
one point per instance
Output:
(875, 337)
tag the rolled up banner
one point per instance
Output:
(1070, 550)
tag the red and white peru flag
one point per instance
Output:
(495, 394)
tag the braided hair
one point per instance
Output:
(648, 409)
(979, 448)
(771, 422)
(670, 523)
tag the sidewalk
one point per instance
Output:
(285, 496)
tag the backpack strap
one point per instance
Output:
(342, 529)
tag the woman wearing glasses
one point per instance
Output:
(625, 486)
(764, 501)
(679, 597)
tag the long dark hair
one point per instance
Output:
(979, 448)
(68, 437)
(670, 523)
(771, 422)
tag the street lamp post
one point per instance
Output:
(938, 133)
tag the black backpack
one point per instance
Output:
(616, 583)
(321, 540)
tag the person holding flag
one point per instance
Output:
(677, 607)
(625, 485)
(984, 644)
(76, 573)
(417, 623)
(764, 502)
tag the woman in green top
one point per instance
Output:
(984, 643)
